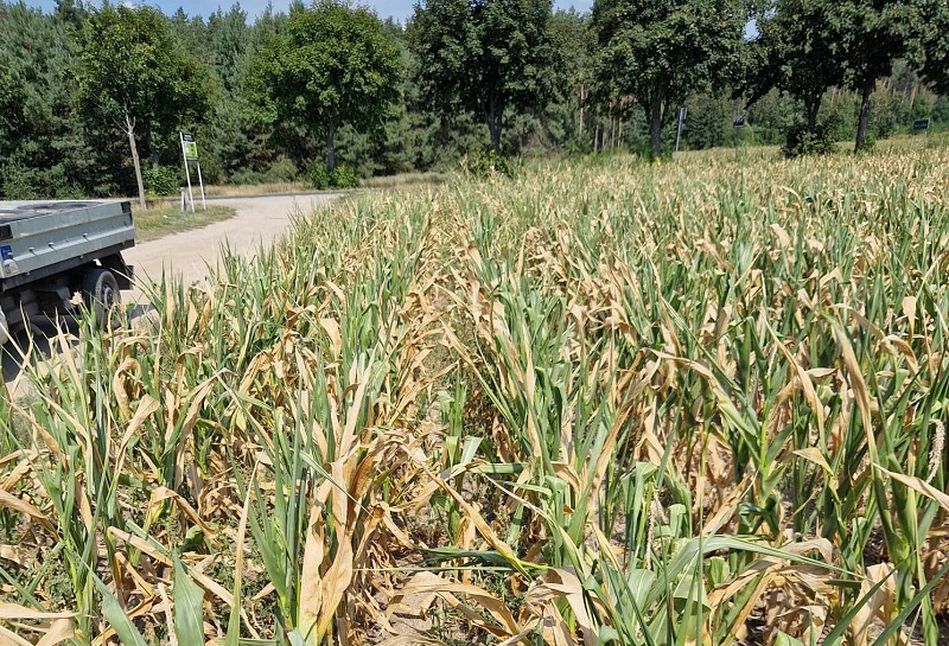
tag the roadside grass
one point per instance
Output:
(157, 222)
(401, 180)
(248, 190)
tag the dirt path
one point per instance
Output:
(259, 221)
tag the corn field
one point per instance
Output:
(601, 403)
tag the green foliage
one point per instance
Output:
(869, 37)
(707, 125)
(131, 67)
(162, 180)
(795, 53)
(483, 56)
(566, 118)
(940, 111)
(660, 51)
(934, 36)
(486, 163)
(133, 78)
(334, 65)
(44, 149)
(63, 134)
(320, 179)
(283, 170)
(802, 140)
(344, 177)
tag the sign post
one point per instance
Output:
(921, 125)
(683, 113)
(738, 123)
(189, 151)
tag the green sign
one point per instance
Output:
(189, 146)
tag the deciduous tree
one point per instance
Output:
(934, 35)
(483, 56)
(333, 65)
(795, 52)
(658, 51)
(131, 73)
(869, 36)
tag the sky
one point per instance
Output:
(398, 9)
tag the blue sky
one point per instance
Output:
(398, 9)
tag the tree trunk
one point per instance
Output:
(495, 129)
(655, 125)
(864, 120)
(495, 115)
(130, 131)
(583, 98)
(812, 108)
(331, 148)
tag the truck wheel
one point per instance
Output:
(100, 293)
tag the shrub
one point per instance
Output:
(870, 144)
(345, 177)
(282, 170)
(161, 180)
(320, 179)
(486, 163)
(800, 141)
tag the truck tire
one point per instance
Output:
(100, 293)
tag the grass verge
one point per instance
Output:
(159, 222)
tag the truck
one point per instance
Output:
(50, 251)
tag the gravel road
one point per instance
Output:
(259, 222)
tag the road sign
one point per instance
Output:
(189, 146)
(739, 121)
(921, 125)
(189, 150)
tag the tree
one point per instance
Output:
(934, 31)
(572, 73)
(333, 65)
(795, 52)
(870, 36)
(660, 51)
(483, 56)
(43, 151)
(709, 121)
(133, 75)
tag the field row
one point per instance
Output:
(598, 403)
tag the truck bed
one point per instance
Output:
(37, 238)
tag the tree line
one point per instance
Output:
(92, 98)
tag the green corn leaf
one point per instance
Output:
(189, 608)
(116, 616)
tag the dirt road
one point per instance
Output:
(259, 221)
